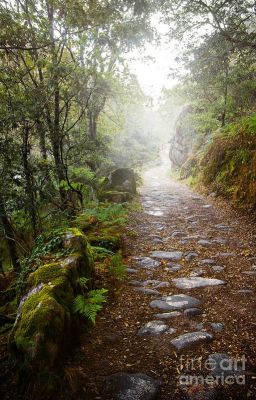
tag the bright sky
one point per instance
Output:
(153, 74)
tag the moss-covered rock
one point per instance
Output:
(43, 327)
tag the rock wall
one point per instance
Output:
(45, 322)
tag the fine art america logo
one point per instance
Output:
(218, 369)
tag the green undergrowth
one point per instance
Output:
(227, 165)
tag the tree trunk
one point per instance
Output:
(9, 235)
(29, 181)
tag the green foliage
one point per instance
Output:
(117, 269)
(90, 305)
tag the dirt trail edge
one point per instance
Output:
(183, 323)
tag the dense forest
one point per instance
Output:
(79, 133)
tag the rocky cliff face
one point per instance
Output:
(181, 142)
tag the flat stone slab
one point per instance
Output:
(156, 213)
(245, 291)
(151, 292)
(153, 328)
(147, 262)
(168, 315)
(175, 302)
(124, 386)
(190, 339)
(167, 255)
(196, 282)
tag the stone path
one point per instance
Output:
(190, 295)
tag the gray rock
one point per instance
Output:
(204, 243)
(147, 291)
(245, 291)
(177, 234)
(131, 270)
(151, 282)
(135, 283)
(207, 206)
(156, 213)
(223, 365)
(147, 262)
(192, 338)
(217, 326)
(153, 328)
(167, 255)
(197, 272)
(191, 312)
(200, 326)
(124, 386)
(222, 227)
(168, 315)
(226, 255)
(175, 302)
(220, 241)
(217, 268)
(207, 261)
(196, 282)
(191, 255)
(162, 285)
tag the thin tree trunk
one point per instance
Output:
(9, 235)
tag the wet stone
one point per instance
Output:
(167, 255)
(192, 312)
(156, 213)
(175, 302)
(217, 268)
(168, 315)
(196, 282)
(190, 339)
(147, 262)
(217, 326)
(190, 256)
(147, 291)
(124, 386)
(153, 328)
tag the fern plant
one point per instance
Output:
(117, 268)
(90, 305)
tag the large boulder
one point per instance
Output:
(45, 322)
(123, 180)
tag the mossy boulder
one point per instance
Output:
(109, 242)
(123, 180)
(44, 326)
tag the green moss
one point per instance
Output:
(46, 273)
(109, 242)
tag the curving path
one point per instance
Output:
(188, 302)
